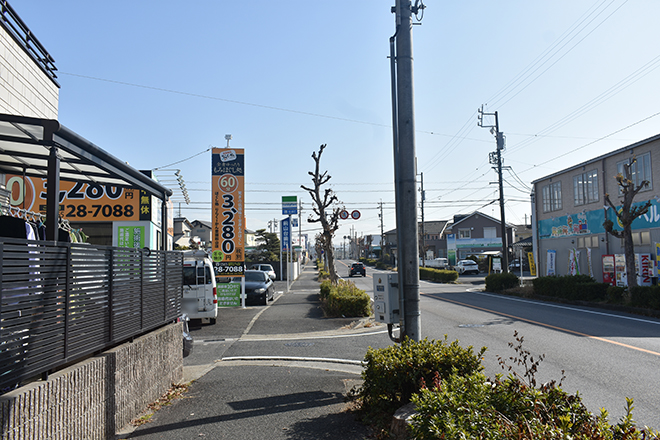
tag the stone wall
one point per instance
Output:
(95, 398)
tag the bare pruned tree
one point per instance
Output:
(626, 215)
(326, 210)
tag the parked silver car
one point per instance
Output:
(265, 268)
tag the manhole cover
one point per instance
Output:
(298, 344)
(470, 325)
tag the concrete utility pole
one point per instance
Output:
(423, 197)
(495, 158)
(382, 234)
(405, 172)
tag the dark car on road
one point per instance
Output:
(258, 288)
(357, 269)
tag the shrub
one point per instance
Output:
(572, 287)
(325, 289)
(615, 294)
(393, 374)
(437, 275)
(381, 265)
(645, 296)
(473, 407)
(497, 282)
(345, 299)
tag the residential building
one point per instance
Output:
(476, 234)
(569, 211)
(203, 230)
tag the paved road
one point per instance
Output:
(270, 372)
(607, 356)
(280, 371)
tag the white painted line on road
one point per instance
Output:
(556, 306)
(294, 337)
(543, 324)
(291, 358)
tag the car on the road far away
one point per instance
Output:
(464, 267)
(357, 269)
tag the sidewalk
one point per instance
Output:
(272, 398)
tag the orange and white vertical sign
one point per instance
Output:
(228, 192)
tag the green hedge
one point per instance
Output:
(326, 286)
(474, 407)
(346, 300)
(393, 374)
(497, 282)
(645, 296)
(572, 287)
(437, 275)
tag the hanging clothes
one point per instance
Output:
(12, 227)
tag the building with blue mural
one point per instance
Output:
(569, 211)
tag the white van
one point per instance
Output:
(200, 299)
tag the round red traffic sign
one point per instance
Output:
(355, 214)
(343, 215)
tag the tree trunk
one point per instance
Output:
(629, 252)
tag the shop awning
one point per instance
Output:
(44, 148)
(25, 145)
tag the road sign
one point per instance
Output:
(289, 205)
(285, 227)
(355, 214)
(343, 215)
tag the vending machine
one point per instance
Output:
(608, 270)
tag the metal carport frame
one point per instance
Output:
(44, 148)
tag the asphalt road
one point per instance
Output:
(280, 371)
(607, 356)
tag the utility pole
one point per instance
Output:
(495, 158)
(382, 234)
(405, 178)
(423, 240)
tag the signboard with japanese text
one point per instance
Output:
(285, 227)
(81, 201)
(289, 205)
(228, 208)
(131, 237)
(229, 294)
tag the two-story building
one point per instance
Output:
(569, 211)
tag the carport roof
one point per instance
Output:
(25, 145)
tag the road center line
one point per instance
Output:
(598, 338)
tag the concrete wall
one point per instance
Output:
(25, 89)
(95, 398)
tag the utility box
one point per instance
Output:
(386, 298)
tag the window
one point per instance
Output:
(552, 197)
(490, 232)
(588, 242)
(585, 188)
(464, 233)
(640, 170)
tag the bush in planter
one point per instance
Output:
(645, 296)
(393, 374)
(497, 282)
(438, 275)
(615, 294)
(345, 299)
(325, 289)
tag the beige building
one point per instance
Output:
(569, 210)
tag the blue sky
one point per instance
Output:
(157, 84)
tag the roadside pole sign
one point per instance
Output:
(289, 205)
(228, 211)
(285, 227)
